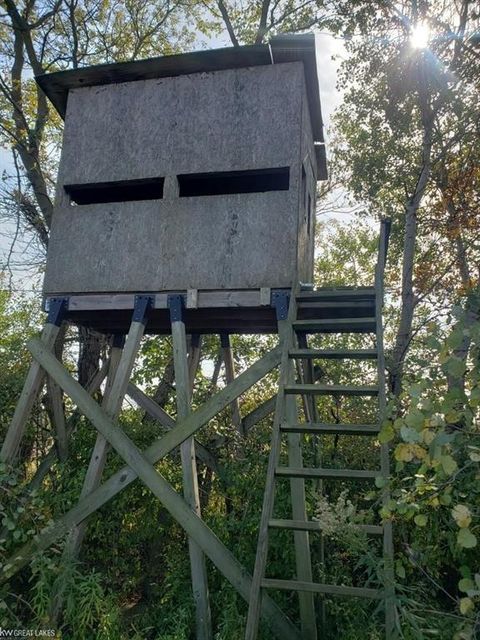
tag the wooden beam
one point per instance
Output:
(259, 413)
(196, 298)
(156, 412)
(155, 452)
(298, 500)
(175, 504)
(61, 438)
(31, 389)
(97, 460)
(47, 462)
(92, 479)
(256, 595)
(183, 386)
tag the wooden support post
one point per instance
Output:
(230, 377)
(183, 386)
(141, 465)
(155, 452)
(51, 456)
(33, 383)
(56, 398)
(122, 360)
(96, 465)
(297, 492)
(194, 353)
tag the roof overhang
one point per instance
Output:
(282, 48)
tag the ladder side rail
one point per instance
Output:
(303, 561)
(388, 550)
(286, 339)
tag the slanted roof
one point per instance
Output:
(282, 48)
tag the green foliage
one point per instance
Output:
(133, 580)
(434, 429)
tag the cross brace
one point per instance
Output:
(141, 465)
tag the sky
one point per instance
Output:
(329, 53)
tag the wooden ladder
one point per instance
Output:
(297, 380)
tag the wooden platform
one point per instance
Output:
(239, 311)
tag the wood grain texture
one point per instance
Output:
(30, 391)
(175, 504)
(125, 476)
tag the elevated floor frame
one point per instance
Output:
(202, 541)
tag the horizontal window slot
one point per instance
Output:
(119, 191)
(228, 182)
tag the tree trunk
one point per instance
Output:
(404, 333)
(91, 347)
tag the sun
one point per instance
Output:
(420, 35)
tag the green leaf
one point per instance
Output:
(466, 585)
(421, 520)
(455, 339)
(415, 390)
(455, 367)
(466, 539)
(400, 569)
(415, 419)
(446, 499)
(410, 435)
(462, 515)
(466, 605)
(448, 464)
(386, 433)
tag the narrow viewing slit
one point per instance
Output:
(119, 191)
(227, 182)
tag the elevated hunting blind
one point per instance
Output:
(185, 205)
(188, 172)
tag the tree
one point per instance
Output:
(408, 128)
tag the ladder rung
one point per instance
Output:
(339, 325)
(316, 587)
(334, 354)
(342, 429)
(330, 389)
(300, 525)
(306, 472)
(351, 305)
(334, 295)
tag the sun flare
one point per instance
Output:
(420, 35)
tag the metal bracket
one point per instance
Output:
(57, 308)
(281, 300)
(142, 305)
(176, 303)
(195, 340)
(225, 340)
(118, 340)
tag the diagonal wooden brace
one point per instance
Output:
(174, 503)
(30, 391)
(157, 450)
